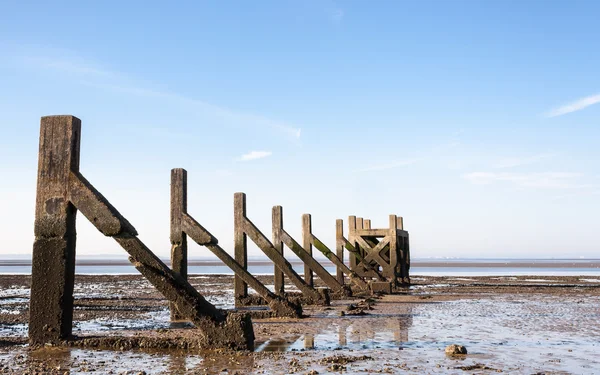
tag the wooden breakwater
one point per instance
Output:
(379, 259)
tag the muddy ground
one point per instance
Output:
(522, 324)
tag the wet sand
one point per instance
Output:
(524, 324)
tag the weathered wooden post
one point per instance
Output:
(307, 245)
(308, 260)
(240, 244)
(53, 261)
(351, 230)
(340, 243)
(178, 237)
(62, 190)
(394, 251)
(186, 224)
(367, 224)
(244, 227)
(338, 285)
(277, 222)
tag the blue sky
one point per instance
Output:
(475, 120)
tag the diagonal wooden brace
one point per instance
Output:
(177, 290)
(357, 280)
(351, 249)
(265, 245)
(279, 305)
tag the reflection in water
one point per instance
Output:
(309, 341)
(349, 333)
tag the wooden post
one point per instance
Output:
(53, 261)
(360, 225)
(400, 222)
(240, 243)
(394, 251)
(351, 234)
(367, 224)
(339, 248)
(307, 245)
(277, 224)
(178, 237)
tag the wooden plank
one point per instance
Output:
(311, 262)
(178, 237)
(399, 222)
(96, 208)
(280, 306)
(351, 230)
(267, 247)
(339, 248)
(372, 232)
(240, 244)
(53, 260)
(338, 263)
(307, 246)
(394, 250)
(277, 224)
(359, 270)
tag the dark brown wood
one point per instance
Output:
(359, 282)
(62, 190)
(178, 237)
(277, 224)
(339, 248)
(53, 260)
(240, 244)
(307, 246)
(351, 230)
(249, 229)
(311, 262)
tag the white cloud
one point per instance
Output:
(540, 180)
(575, 106)
(253, 155)
(95, 76)
(519, 161)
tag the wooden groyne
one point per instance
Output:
(379, 259)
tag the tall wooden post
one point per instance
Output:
(240, 243)
(178, 237)
(394, 251)
(339, 247)
(359, 225)
(351, 239)
(277, 225)
(307, 245)
(53, 261)
(367, 224)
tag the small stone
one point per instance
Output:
(455, 349)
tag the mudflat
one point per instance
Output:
(524, 324)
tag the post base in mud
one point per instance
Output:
(295, 298)
(383, 287)
(234, 333)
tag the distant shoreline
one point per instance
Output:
(451, 263)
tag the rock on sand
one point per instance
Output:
(456, 350)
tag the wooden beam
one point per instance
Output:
(307, 246)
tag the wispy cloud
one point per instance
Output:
(385, 166)
(539, 180)
(433, 152)
(575, 106)
(94, 75)
(253, 155)
(520, 161)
